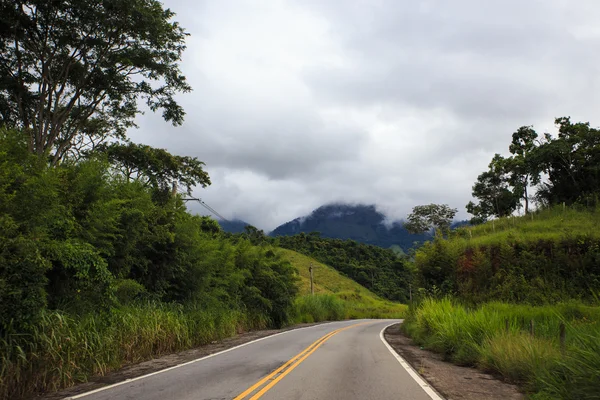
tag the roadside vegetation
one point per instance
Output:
(518, 296)
(519, 342)
(545, 257)
(101, 264)
(97, 270)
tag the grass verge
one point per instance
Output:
(64, 350)
(497, 337)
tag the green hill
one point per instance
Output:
(382, 271)
(548, 224)
(549, 256)
(358, 302)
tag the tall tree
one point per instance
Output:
(156, 167)
(72, 71)
(494, 193)
(432, 216)
(571, 163)
(521, 166)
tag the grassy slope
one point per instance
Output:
(359, 301)
(478, 336)
(553, 223)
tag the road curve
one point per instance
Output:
(339, 360)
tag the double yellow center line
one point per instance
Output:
(266, 383)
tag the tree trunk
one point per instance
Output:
(526, 201)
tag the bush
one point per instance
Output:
(22, 284)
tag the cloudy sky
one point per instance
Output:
(299, 103)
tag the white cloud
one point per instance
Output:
(395, 103)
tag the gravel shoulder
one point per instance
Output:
(452, 381)
(160, 363)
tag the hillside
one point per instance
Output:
(359, 300)
(546, 257)
(233, 226)
(549, 224)
(380, 270)
(362, 223)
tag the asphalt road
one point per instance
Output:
(340, 360)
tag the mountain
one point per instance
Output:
(234, 226)
(362, 223)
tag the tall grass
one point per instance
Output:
(479, 336)
(321, 307)
(339, 306)
(553, 223)
(64, 350)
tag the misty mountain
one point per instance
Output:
(234, 226)
(362, 223)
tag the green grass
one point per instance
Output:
(64, 350)
(548, 257)
(548, 224)
(479, 336)
(329, 284)
(320, 307)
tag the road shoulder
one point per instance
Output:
(452, 381)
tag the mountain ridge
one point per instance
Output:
(361, 222)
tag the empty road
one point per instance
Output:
(340, 360)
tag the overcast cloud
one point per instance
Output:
(395, 103)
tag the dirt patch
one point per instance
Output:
(451, 381)
(157, 364)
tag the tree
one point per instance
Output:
(255, 236)
(521, 167)
(72, 71)
(433, 216)
(494, 193)
(156, 167)
(571, 163)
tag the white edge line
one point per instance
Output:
(411, 371)
(78, 396)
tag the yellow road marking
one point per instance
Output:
(278, 370)
(296, 360)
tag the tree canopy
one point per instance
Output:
(432, 216)
(493, 190)
(562, 169)
(72, 71)
(156, 167)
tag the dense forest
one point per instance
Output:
(80, 240)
